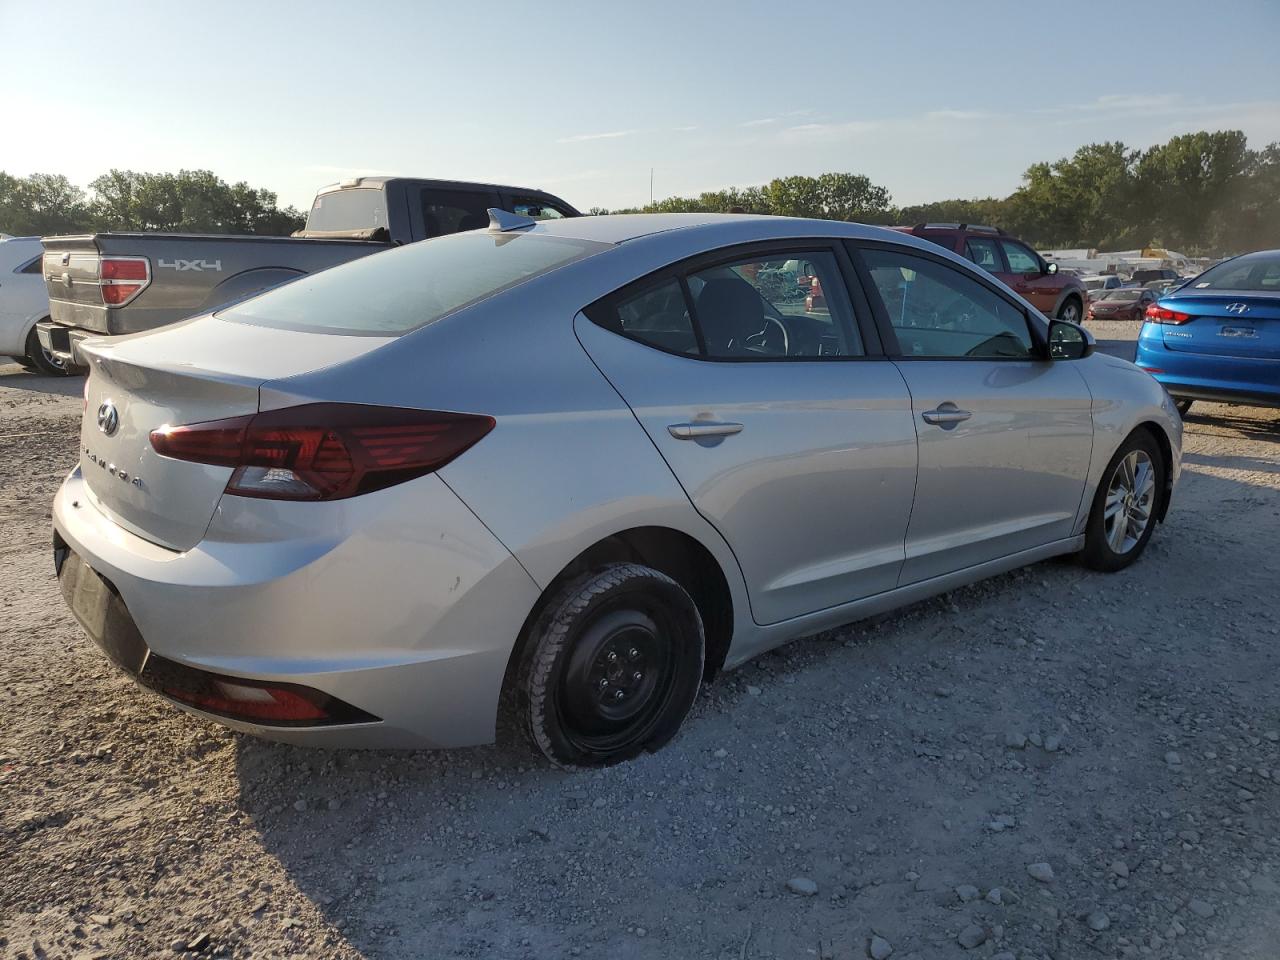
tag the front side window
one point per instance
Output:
(1021, 260)
(536, 209)
(775, 307)
(454, 211)
(938, 312)
(983, 252)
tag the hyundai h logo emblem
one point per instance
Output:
(1237, 308)
(108, 418)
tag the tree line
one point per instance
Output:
(1200, 193)
(189, 201)
(1204, 194)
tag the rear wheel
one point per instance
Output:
(1183, 406)
(1123, 517)
(1070, 310)
(611, 667)
(41, 360)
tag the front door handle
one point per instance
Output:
(699, 429)
(945, 415)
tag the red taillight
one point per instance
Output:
(1159, 314)
(324, 451)
(133, 268)
(120, 279)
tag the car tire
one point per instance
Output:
(610, 667)
(1123, 516)
(1183, 406)
(1071, 310)
(41, 361)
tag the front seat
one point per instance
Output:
(729, 310)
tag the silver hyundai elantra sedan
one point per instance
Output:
(566, 471)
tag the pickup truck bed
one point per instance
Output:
(109, 284)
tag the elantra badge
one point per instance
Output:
(108, 418)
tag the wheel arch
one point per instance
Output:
(669, 551)
(1165, 446)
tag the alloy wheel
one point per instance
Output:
(1131, 496)
(1070, 313)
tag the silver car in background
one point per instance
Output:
(568, 470)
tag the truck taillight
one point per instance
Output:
(122, 278)
(324, 451)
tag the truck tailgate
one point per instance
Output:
(71, 275)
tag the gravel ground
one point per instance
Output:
(1055, 763)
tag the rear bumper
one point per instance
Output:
(62, 341)
(405, 607)
(1196, 376)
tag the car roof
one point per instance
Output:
(728, 228)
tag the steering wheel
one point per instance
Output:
(757, 342)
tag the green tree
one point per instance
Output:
(1189, 182)
(41, 204)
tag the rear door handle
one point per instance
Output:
(947, 413)
(703, 428)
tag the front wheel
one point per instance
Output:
(1123, 516)
(41, 360)
(1070, 310)
(611, 667)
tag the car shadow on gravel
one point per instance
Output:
(14, 377)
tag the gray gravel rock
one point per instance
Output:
(802, 886)
(967, 892)
(1201, 908)
(1097, 921)
(1041, 872)
(878, 948)
(972, 936)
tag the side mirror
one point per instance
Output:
(1051, 268)
(1069, 341)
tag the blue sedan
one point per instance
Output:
(1218, 336)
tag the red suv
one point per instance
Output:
(1054, 294)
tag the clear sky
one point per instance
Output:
(932, 99)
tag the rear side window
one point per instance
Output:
(938, 312)
(391, 293)
(656, 316)
(983, 252)
(454, 211)
(362, 208)
(34, 266)
(765, 307)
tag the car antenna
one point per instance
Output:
(500, 221)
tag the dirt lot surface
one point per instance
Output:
(1055, 763)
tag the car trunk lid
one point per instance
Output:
(1225, 325)
(138, 384)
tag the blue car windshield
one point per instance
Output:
(1256, 272)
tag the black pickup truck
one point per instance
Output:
(106, 284)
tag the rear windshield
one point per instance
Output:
(387, 294)
(1260, 273)
(358, 209)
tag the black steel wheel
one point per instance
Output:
(610, 667)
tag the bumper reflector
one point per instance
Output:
(254, 701)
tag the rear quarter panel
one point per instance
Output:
(567, 464)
